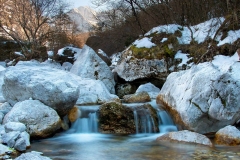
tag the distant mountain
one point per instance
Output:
(85, 18)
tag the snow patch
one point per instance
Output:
(144, 43)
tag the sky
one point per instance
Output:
(78, 3)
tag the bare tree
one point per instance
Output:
(29, 22)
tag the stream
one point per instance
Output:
(83, 142)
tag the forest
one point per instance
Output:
(36, 26)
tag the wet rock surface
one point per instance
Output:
(116, 118)
(139, 97)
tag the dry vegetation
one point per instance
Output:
(136, 17)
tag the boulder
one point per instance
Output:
(14, 126)
(139, 97)
(10, 138)
(228, 135)
(186, 136)
(1, 117)
(53, 87)
(2, 72)
(125, 89)
(131, 68)
(4, 149)
(5, 108)
(116, 118)
(33, 155)
(94, 92)
(41, 121)
(90, 65)
(74, 114)
(152, 90)
(204, 98)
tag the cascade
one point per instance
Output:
(88, 122)
(145, 121)
(165, 122)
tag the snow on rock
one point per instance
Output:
(228, 135)
(186, 136)
(101, 52)
(144, 42)
(201, 31)
(204, 98)
(67, 66)
(184, 59)
(232, 37)
(90, 65)
(41, 121)
(94, 92)
(68, 54)
(152, 90)
(115, 58)
(29, 80)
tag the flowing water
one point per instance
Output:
(83, 142)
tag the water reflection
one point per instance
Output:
(85, 144)
(141, 147)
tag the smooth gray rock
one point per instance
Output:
(24, 135)
(5, 108)
(32, 156)
(4, 149)
(29, 80)
(90, 65)
(94, 92)
(14, 126)
(20, 144)
(41, 121)
(186, 136)
(10, 138)
(152, 90)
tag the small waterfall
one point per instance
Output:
(143, 120)
(165, 122)
(136, 120)
(88, 122)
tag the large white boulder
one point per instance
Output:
(152, 90)
(30, 80)
(41, 121)
(204, 98)
(90, 65)
(94, 92)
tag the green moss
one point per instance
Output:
(156, 52)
